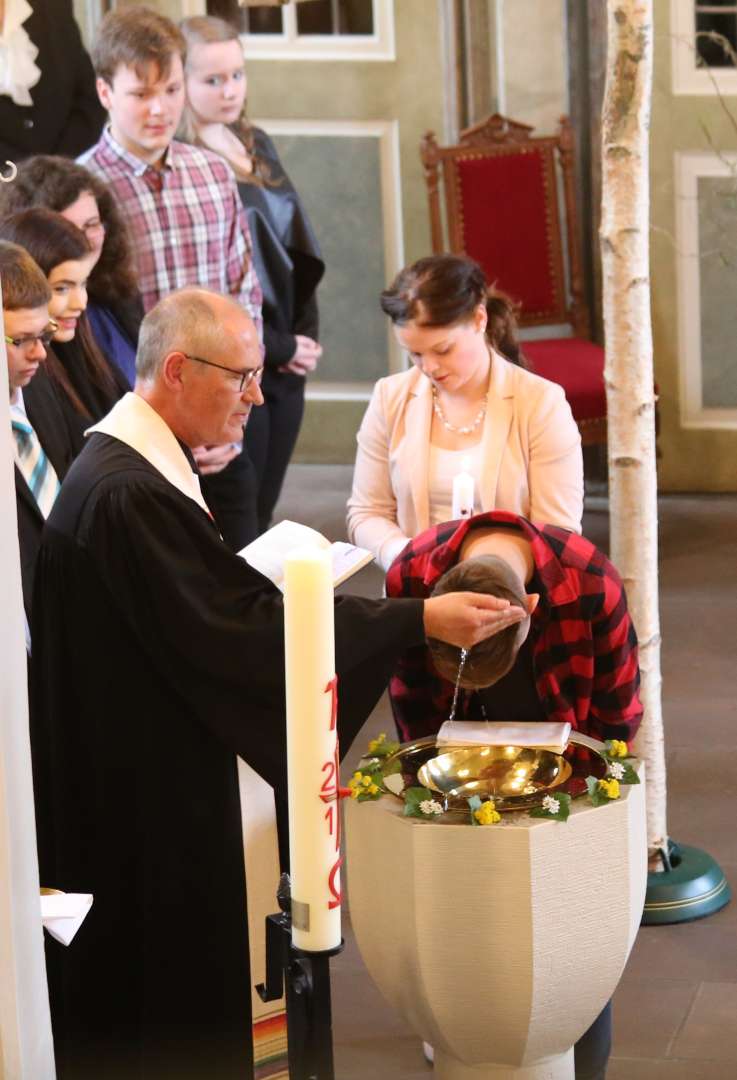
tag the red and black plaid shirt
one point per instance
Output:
(583, 642)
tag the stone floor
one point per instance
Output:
(675, 1012)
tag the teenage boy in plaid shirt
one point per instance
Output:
(182, 207)
(568, 651)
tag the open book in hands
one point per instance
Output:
(268, 552)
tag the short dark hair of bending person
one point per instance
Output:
(467, 404)
(74, 192)
(74, 361)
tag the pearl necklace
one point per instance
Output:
(467, 429)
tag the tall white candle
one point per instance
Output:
(312, 749)
(463, 487)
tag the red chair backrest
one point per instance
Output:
(508, 221)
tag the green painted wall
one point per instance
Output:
(691, 459)
(409, 90)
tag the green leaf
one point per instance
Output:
(392, 768)
(629, 776)
(412, 798)
(564, 809)
(592, 785)
(383, 750)
(474, 803)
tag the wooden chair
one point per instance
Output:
(503, 195)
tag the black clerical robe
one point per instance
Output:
(159, 656)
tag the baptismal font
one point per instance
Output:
(498, 945)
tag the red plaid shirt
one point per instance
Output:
(186, 221)
(583, 642)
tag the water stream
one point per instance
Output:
(464, 654)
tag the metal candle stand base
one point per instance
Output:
(306, 977)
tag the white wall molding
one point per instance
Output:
(690, 166)
(290, 45)
(686, 77)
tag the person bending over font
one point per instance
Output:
(159, 657)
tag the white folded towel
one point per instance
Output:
(63, 913)
(538, 736)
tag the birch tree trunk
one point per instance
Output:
(629, 363)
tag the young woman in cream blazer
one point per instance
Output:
(462, 404)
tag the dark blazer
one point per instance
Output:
(66, 116)
(288, 263)
(61, 442)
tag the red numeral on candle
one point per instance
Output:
(332, 688)
(328, 785)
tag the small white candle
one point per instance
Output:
(463, 488)
(312, 749)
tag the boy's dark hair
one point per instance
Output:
(136, 37)
(24, 284)
(488, 661)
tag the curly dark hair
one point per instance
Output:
(56, 183)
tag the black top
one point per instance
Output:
(158, 655)
(287, 259)
(66, 116)
(98, 391)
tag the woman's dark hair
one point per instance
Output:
(488, 661)
(212, 30)
(442, 290)
(47, 236)
(51, 240)
(56, 183)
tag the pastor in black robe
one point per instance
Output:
(158, 657)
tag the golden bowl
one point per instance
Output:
(515, 777)
(493, 772)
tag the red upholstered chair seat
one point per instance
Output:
(577, 366)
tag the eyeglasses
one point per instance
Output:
(44, 338)
(245, 377)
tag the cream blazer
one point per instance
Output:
(531, 449)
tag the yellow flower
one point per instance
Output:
(355, 792)
(366, 780)
(486, 814)
(610, 788)
(373, 789)
(357, 776)
(618, 748)
(376, 743)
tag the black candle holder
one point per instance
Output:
(305, 977)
